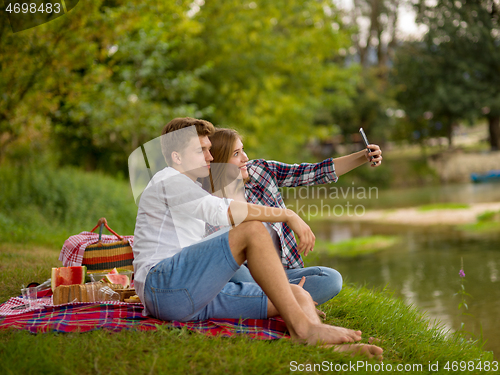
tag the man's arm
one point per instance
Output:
(240, 212)
(347, 163)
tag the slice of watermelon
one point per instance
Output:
(68, 276)
(116, 278)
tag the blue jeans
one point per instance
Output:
(322, 283)
(194, 285)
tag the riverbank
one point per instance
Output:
(408, 337)
(419, 216)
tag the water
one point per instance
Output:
(423, 267)
(423, 270)
(374, 198)
(456, 193)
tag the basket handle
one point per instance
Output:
(103, 223)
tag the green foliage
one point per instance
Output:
(351, 248)
(272, 68)
(453, 73)
(40, 68)
(431, 92)
(91, 86)
(487, 222)
(137, 82)
(372, 107)
(46, 205)
(443, 206)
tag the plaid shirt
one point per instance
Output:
(266, 177)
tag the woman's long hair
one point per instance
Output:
(223, 141)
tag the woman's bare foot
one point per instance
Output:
(325, 334)
(369, 351)
(320, 313)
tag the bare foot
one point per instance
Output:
(369, 351)
(320, 313)
(326, 334)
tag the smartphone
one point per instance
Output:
(365, 140)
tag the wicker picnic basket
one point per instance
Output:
(105, 256)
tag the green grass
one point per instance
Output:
(443, 206)
(43, 205)
(489, 216)
(487, 222)
(23, 264)
(408, 337)
(353, 247)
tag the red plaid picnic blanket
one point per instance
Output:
(115, 316)
(74, 247)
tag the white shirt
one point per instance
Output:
(274, 237)
(172, 213)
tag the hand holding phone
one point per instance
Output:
(365, 140)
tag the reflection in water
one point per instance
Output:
(468, 193)
(493, 271)
(423, 270)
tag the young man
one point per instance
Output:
(181, 276)
(263, 180)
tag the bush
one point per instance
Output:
(47, 205)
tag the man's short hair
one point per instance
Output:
(178, 140)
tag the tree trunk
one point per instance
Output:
(449, 133)
(494, 128)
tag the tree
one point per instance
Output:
(272, 69)
(40, 69)
(138, 81)
(95, 88)
(464, 38)
(95, 84)
(431, 90)
(381, 33)
(23, 78)
(372, 106)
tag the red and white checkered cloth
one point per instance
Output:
(74, 247)
(18, 305)
(115, 316)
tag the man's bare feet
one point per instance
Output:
(369, 351)
(326, 334)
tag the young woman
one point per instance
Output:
(259, 184)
